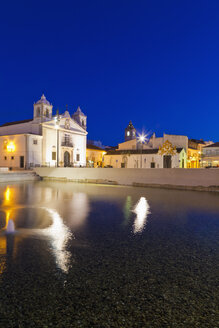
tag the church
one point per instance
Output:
(168, 151)
(45, 140)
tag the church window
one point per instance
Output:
(35, 141)
(12, 157)
(47, 112)
(133, 133)
(78, 158)
(5, 158)
(54, 155)
(128, 133)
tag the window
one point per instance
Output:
(5, 158)
(133, 133)
(54, 155)
(128, 133)
(47, 112)
(35, 141)
(5, 144)
(38, 112)
(67, 138)
(12, 157)
(78, 157)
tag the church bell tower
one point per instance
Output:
(80, 118)
(42, 110)
(130, 132)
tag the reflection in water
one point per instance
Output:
(142, 209)
(6, 250)
(79, 209)
(10, 226)
(59, 236)
(7, 195)
(127, 208)
(7, 217)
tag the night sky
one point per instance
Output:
(153, 62)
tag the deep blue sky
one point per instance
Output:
(153, 62)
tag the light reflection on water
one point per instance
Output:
(59, 235)
(79, 209)
(125, 267)
(142, 209)
(70, 205)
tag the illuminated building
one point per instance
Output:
(169, 151)
(47, 139)
(94, 156)
(210, 156)
(194, 152)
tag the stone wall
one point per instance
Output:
(18, 176)
(207, 179)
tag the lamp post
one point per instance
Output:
(142, 139)
(57, 121)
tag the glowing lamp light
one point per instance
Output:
(142, 138)
(10, 147)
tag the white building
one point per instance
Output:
(169, 151)
(45, 139)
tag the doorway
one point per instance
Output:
(167, 161)
(21, 162)
(66, 159)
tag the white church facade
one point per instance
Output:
(45, 140)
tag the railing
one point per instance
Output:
(67, 144)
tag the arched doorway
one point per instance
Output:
(124, 162)
(66, 159)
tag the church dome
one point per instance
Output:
(43, 100)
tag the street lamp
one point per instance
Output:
(57, 121)
(142, 138)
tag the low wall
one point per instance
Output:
(178, 178)
(18, 176)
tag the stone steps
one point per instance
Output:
(18, 176)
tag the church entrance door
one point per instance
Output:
(167, 161)
(66, 159)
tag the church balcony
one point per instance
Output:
(67, 144)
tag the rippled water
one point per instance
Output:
(107, 256)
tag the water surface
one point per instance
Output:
(107, 256)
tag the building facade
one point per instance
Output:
(47, 139)
(94, 156)
(210, 155)
(169, 151)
